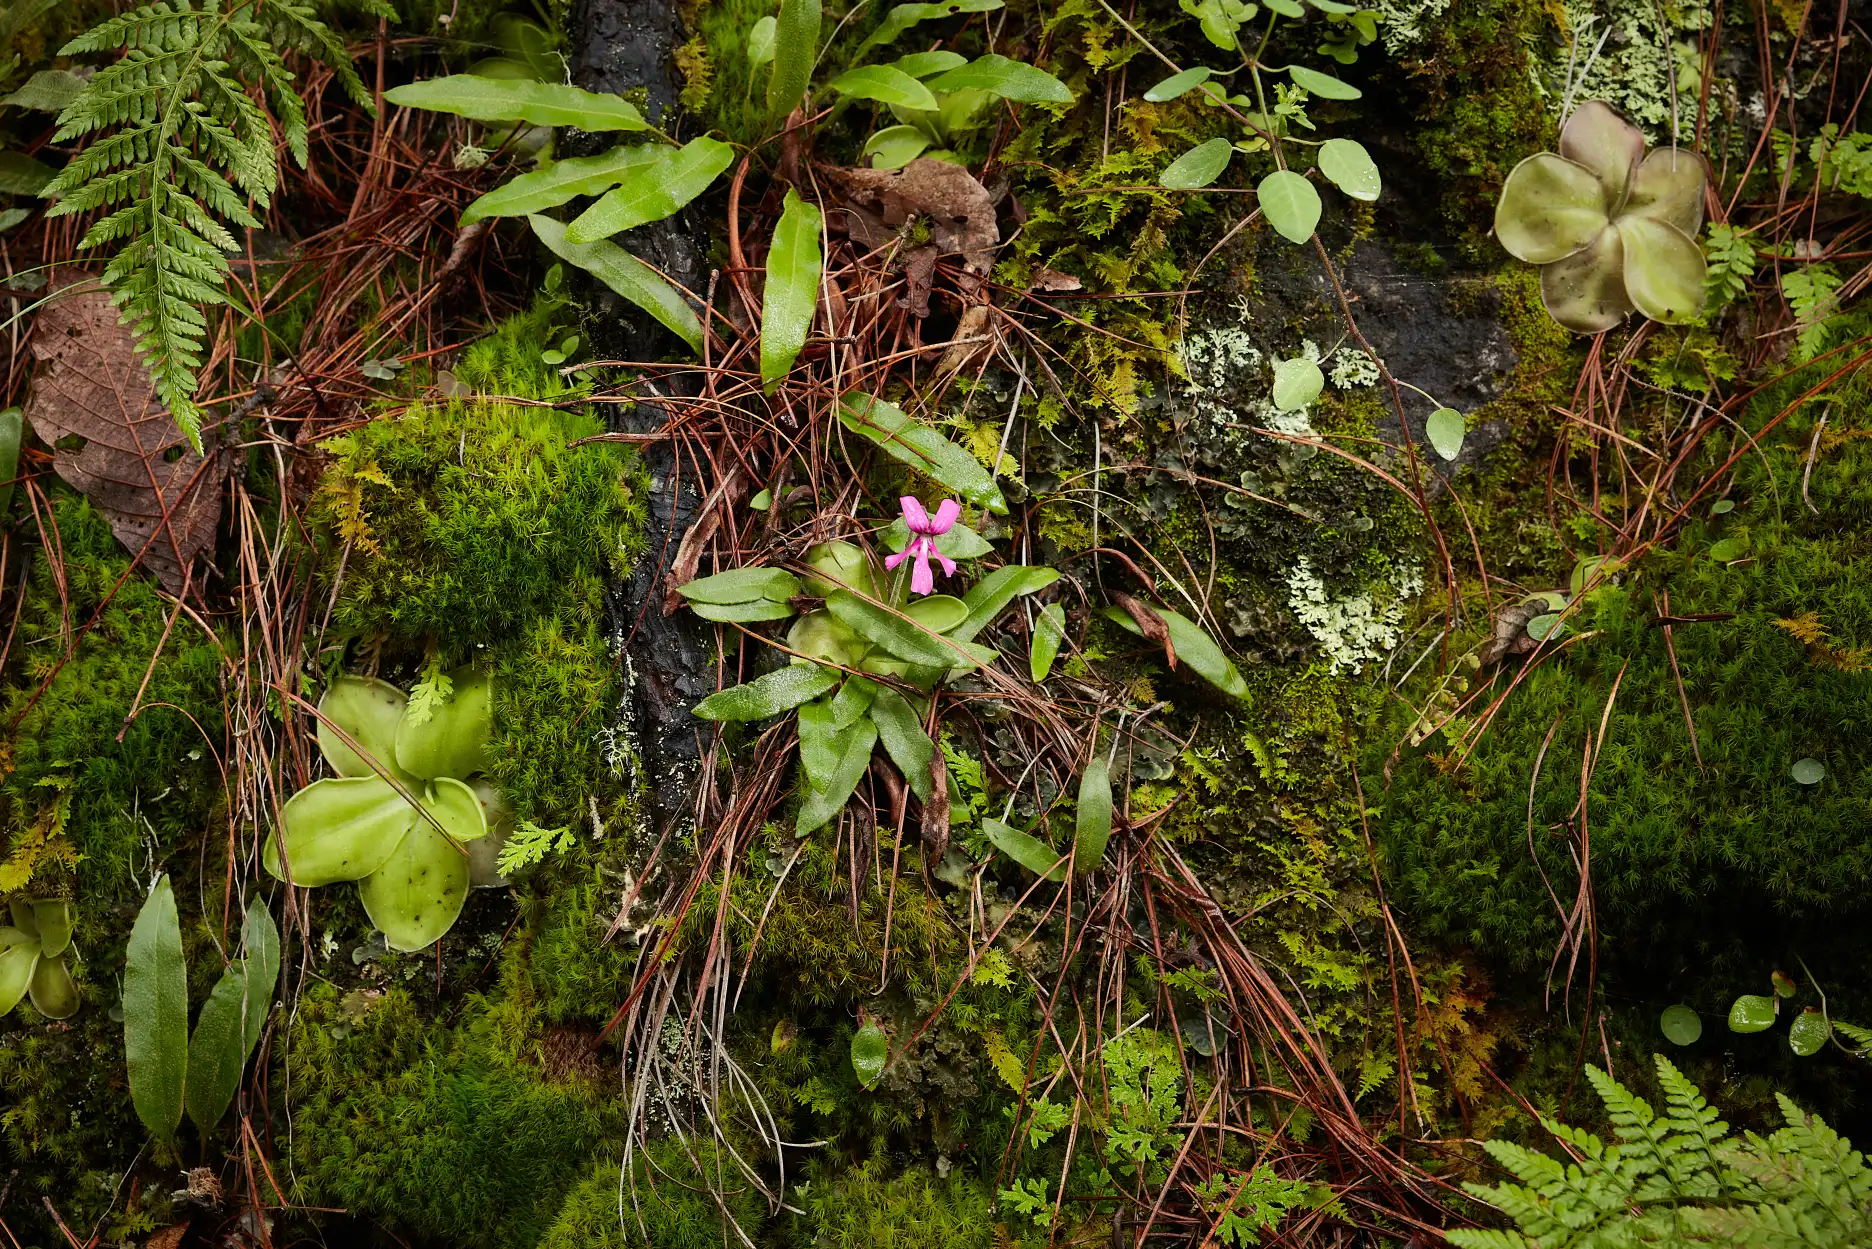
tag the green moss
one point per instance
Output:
(450, 1133)
(666, 1203)
(866, 1208)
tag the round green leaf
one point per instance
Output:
(1176, 84)
(885, 84)
(870, 1051)
(1547, 626)
(1325, 86)
(1664, 270)
(1752, 1012)
(818, 636)
(1680, 1025)
(1722, 507)
(339, 830)
(1585, 292)
(1297, 383)
(1783, 983)
(1808, 1033)
(1290, 204)
(1445, 430)
(1350, 168)
(1597, 139)
(1198, 167)
(54, 993)
(1550, 208)
(484, 852)
(417, 894)
(1728, 550)
(895, 146)
(839, 565)
(938, 613)
(369, 711)
(453, 740)
(53, 919)
(1808, 771)
(1669, 187)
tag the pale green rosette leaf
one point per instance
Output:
(1664, 270)
(1550, 208)
(1586, 291)
(453, 740)
(369, 712)
(1599, 139)
(339, 830)
(1669, 187)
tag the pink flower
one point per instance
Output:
(922, 548)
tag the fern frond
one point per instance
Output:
(181, 143)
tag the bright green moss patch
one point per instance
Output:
(865, 1208)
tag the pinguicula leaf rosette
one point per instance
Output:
(1612, 227)
(35, 953)
(415, 863)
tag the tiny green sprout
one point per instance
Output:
(1612, 228)
(401, 814)
(35, 957)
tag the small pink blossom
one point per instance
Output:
(922, 548)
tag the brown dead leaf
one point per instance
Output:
(919, 271)
(936, 811)
(167, 1238)
(1049, 281)
(960, 212)
(112, 439)
(974, 338)
(1510, 636)
(1149, 621)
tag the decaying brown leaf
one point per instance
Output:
(1149, 621)
(960, 211)
(112, 440)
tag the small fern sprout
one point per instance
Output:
(178, 150)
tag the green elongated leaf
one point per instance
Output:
(908, 746)
(928, 64)
(895, 146)
(794, 266)
(653, 190)
(1177, 84)
(53, 919)
(1752, 1012)
(921, 448)
(1093, 821)
(1198, 167)
(47, 91)
(742, 585)
(20, 174)
(904, 16)
(1049, 632)
(1028, 851)
(882, 627)
(769, 695)
(1325, 86)
(628, 276)
(885, 84)
(18, 961)
(938, 613)
(510, 99)
(1808, 1034)
(417, 894)
(155, 1009)
(1193, 647)
(12, 428)
(368, 711)
(853, 699)
(1350, 168)
(1290, 204)
(760, 41)
(820, 741)
(742, 613)
(960, 542)
(1297, 383)
(1445, 429)
(562, 181)
(824, 802)
(215, 1056)
(870, 1049)
(260, 972)
(339, 830)
(796, 50)
(1011, 80)
(988, 597)
(453, 740)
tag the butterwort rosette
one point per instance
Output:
(924, 530)
(1612, 227)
